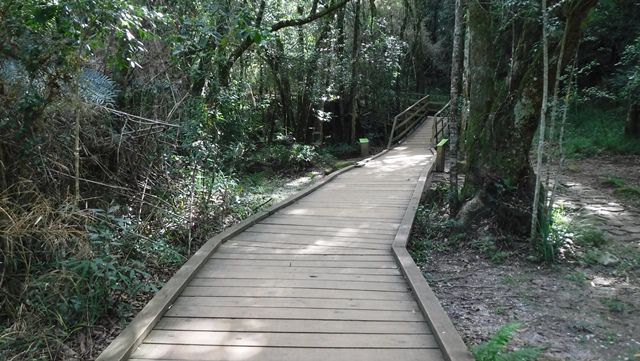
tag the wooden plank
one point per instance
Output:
(349, 271)
(380, 187)
(385, 214)
(310, 283)
(264, 302)
(307, 249)
(238, 353)
(263, 339)
(343, 233)
(334, 225)
(294, 313)
(294, 292)
(328, 221)
(363, 205)
(262, 274)
(279, 325)
(296, 263)
(304, 257)
(301, 245)
(313, 239)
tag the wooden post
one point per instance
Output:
(440, 155)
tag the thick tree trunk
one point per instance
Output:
(504, 111)
(632, 128)
(456, 59)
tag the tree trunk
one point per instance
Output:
(535, 221)
(504, 111)
(355, 50)
(340, 42)
(632, 128)
(456, 59)
(305, 105)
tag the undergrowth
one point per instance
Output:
(496, 349)
(567, 236)
(595, 130)
(68, 273)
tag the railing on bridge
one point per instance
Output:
(441, 124)
(404, 122)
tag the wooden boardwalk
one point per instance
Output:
(317, 280)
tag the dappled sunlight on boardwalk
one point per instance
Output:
(316, 280)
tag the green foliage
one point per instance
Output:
(613, 181)
(577, 277)
(565, 234)
(593, 131)
(96, 88)
(290, 158)
(432, 231)
(614, 305)
(496, 348)
(491, 249)
(621, 188)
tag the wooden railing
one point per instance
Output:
(404, 122)
(441, 124)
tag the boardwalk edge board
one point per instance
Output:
(133, 335)
(452, 346)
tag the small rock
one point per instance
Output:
(607, 259)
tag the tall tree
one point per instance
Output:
(353, 88)
(454, 126)
(505, 99)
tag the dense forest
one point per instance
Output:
(131, 130)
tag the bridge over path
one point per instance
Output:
(323, 276)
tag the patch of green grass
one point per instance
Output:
(592, 130)
(613, 181)
(510, 280)
(589, 236)
(628, 192)
(489, 247)
(591, 257)
(577, 277)
(621, 188)
(496, 348)
(614, 305)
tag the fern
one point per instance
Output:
(496, 348)
(96, 88)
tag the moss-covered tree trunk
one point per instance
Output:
(505, 97)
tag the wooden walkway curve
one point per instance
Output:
(326, 277)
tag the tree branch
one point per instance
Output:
(297, 22)
(225, 69)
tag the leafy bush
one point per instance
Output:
(293, 158)
(341, 150)
(564, 234)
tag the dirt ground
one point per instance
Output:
(585, 308)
